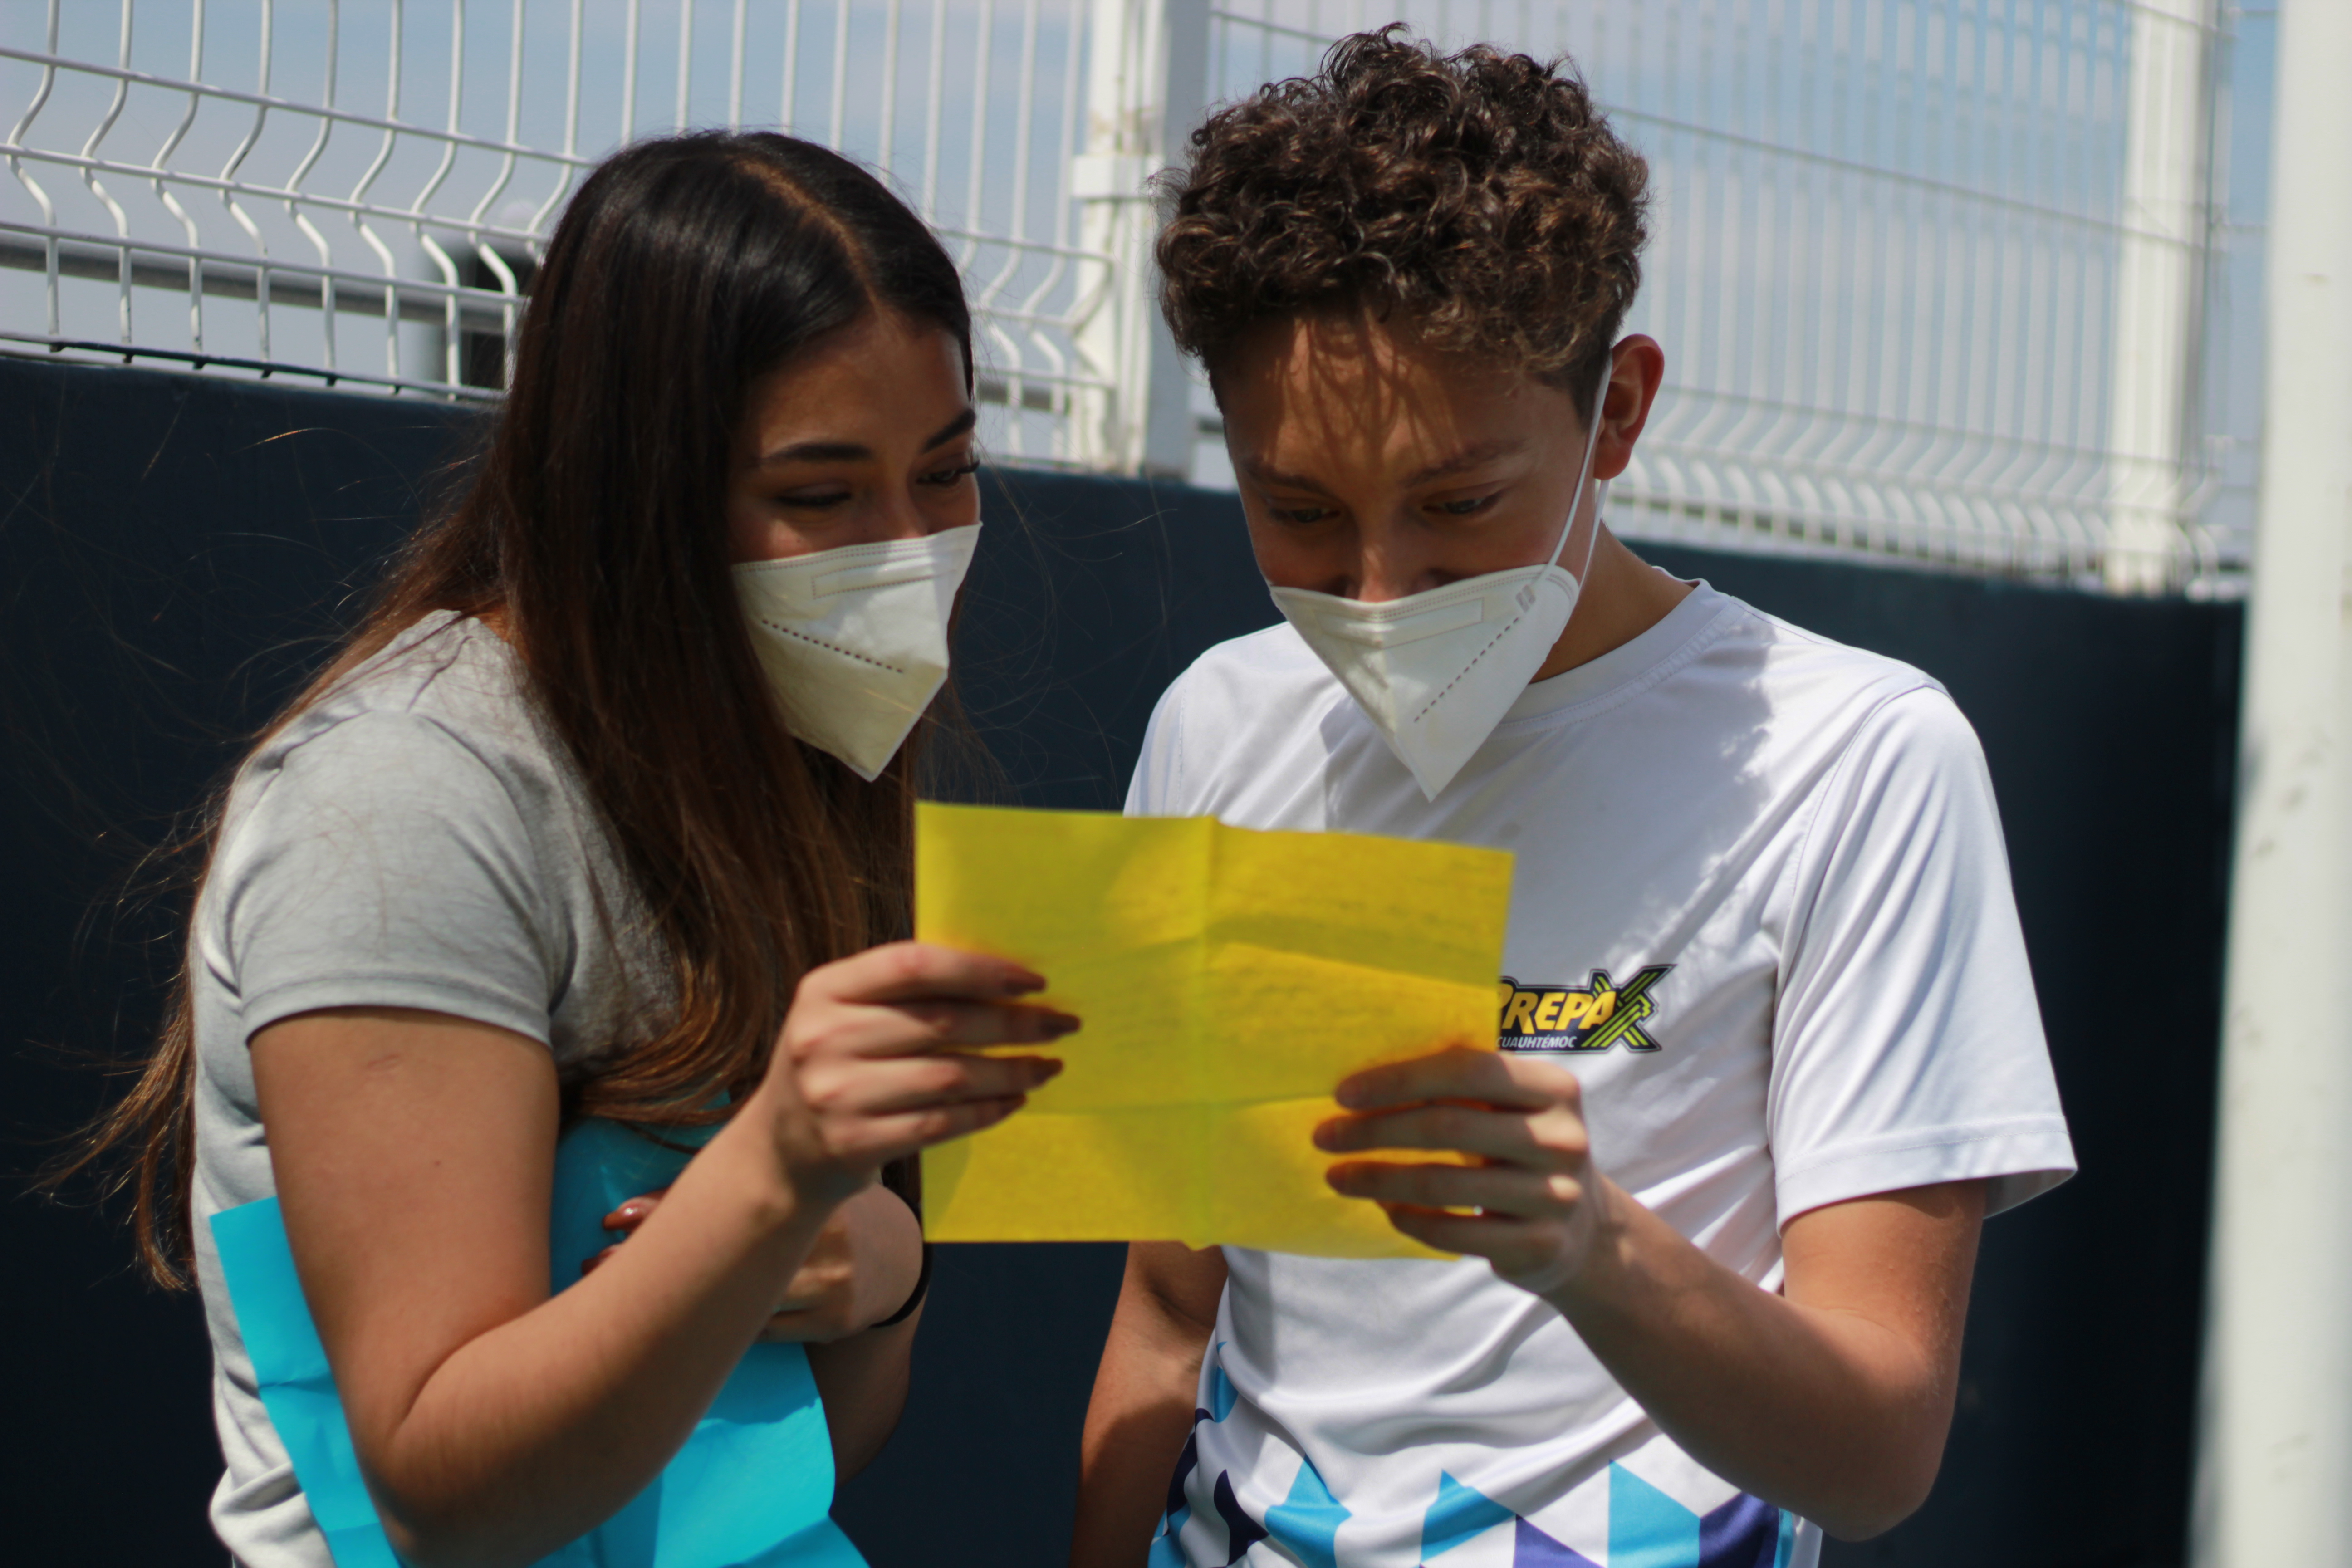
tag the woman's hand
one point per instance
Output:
(1542, 1210)
(863, 1268)
(878, 1058)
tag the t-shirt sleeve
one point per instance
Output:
(1151, 792)
(1907, 1048)
(383, 863)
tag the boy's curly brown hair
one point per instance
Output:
(1481, 193)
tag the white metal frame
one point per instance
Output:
(2274, 1427)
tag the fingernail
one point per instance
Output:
(1018, 982)
(1051, 1067)
(1059, 1024)
(1326, 1136)
(1349, 1093)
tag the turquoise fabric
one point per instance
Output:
(1647, 1529)
(753, 1488)
(297, 1388)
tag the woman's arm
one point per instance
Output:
(1832, 1400)
(870, 1273)
(865, 1267)
(1143, 1399)
(864, 1381)
(414, 1154)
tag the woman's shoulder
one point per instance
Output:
(444, 668)
(446, 690)
(437, 728)
(413, 807)
(407, 840)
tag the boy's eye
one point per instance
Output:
(1469, 507)
(1301, 514)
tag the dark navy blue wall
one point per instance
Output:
(175, 551)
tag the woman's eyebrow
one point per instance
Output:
(953, 428)
(853, 452)
(816, 452)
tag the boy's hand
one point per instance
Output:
(1541, 1207)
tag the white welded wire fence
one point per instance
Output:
(358, 190)
(1931, 275)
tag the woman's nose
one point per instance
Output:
(900, 517)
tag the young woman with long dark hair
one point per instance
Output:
(604, 813)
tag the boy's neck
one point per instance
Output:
(1624, 598)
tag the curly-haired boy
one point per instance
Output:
(1767, 1052)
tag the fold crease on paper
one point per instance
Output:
(1228, 980)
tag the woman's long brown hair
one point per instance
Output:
(684, 269)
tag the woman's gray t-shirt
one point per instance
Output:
(414, 839)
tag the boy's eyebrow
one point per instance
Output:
(1468, 457)
(1267, 474)
(852, 451)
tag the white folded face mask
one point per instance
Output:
(1437, 671)
(854, 640)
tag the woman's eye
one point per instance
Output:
(946, 477)
(804, 500)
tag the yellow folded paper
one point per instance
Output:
(1228, 981)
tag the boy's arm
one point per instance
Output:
(1833, 1401)
(1142, 1404)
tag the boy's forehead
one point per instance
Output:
(1305, 392)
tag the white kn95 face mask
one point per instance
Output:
(1436, 671)
(854, 640)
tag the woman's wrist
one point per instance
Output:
(915, 1297)
(782, 1199)
(896, 1261)
(818, 1183)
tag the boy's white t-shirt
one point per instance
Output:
(1762, 909)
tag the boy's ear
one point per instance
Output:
(1640, 369)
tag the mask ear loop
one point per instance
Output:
(1584, 473)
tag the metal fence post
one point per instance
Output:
(2275, 1466)
(2159, 274)
(1146, 79)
